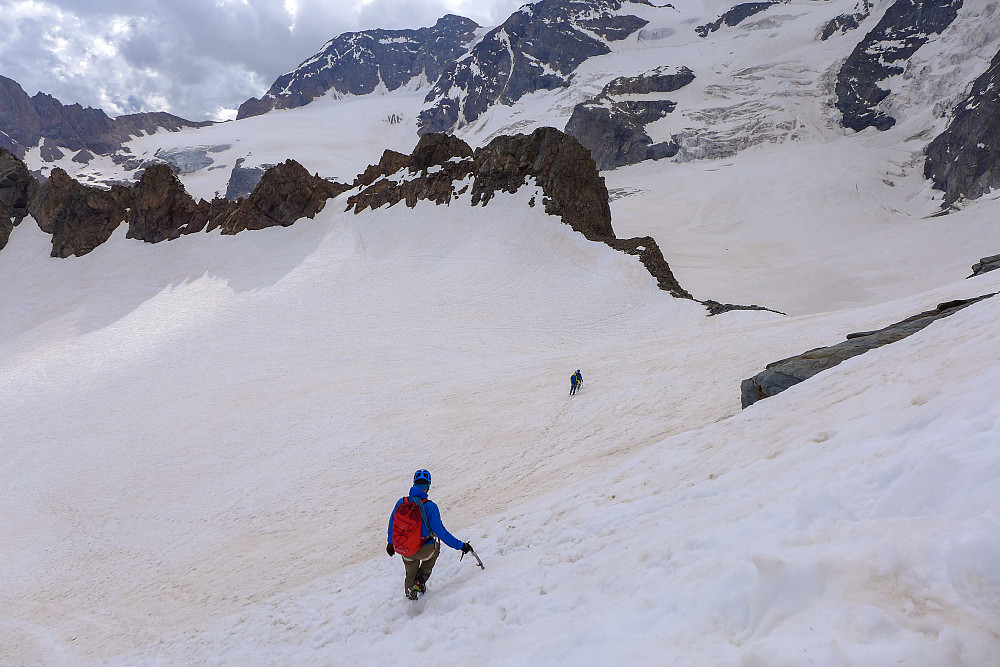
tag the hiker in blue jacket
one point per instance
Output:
(419, 565)
(574, 384)
(579, 379)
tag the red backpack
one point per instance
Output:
(407, 526)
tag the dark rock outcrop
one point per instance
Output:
(161, 209)
(17, 187)
(614, 130)
(985, 265)
(355, 63)
(440, 166)
(286, 193)
(845, 22)
(536, 48)
(735, 16)
(25, 121)
(157, 208)
(567, 175)
(78, 217)
(780, 375)
(903, 29)
(964, 160)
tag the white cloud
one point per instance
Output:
(194, 58)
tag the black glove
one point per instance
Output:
(466, 548)
(389, 550)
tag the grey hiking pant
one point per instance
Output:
(420, 564)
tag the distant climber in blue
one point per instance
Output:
(574, 384)
(579, 379)
(416, 533)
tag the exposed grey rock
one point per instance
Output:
(985, 265)
(49, 151)
(83, 157)
(356, 63)
(780, 375)
(716, 308)
(614, 130)
(736, 15)
(536, 48)
(964, 160)
(903, 29)
(846, 22)
(25, 121)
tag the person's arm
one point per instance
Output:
(392, 515)
(434, 519)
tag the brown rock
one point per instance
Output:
(573, 188)
(80, 218)
(286, 193)
(17, 187)
(162, 209)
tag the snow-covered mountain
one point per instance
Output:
(211, 404)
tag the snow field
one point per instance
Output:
(851, 520)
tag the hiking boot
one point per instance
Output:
(411, 593)
(420, 585)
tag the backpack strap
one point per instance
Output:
(423, 513)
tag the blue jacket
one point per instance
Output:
(572, 380)
(433, 518)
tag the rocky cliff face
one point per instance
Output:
(78, 217)
(536, 48)
(780, 375)
(613, 129)
(27, 121)
(356, 63)
(964, 161)
(904, 28)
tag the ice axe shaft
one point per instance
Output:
(474, 555)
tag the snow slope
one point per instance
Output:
(203, 437)
(208, 434)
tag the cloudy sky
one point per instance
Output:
(196, 58)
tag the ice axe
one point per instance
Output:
(474, 555)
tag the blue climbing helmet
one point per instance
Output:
(421, 477)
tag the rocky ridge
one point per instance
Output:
(443, 167)
(537, 48)
(780, 375)
(613, 129)
(356, 63)
(26, 122)
(157, 208)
